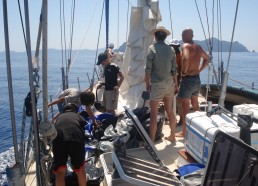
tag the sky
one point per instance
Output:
(87, 18)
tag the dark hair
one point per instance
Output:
(160, 35)
(87, 98)
(70, 107)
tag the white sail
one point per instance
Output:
(143, 19)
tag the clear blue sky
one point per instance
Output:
(184, 14)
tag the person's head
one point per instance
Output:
(187, 35)
(111, 46)
(160, 33)
(70, 107)
(87, 98)
(175, 44)
(103, 59)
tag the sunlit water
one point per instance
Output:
(243, 68)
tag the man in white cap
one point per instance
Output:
(161, 80)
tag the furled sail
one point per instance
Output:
(144, 18)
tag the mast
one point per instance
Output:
(107, 22)
(32, 91)
(9, 76)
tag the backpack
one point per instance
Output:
(28, 106)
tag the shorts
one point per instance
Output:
(63, 150)
(189, 86)
(162, 89)
(110, 99)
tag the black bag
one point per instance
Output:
(28, 106)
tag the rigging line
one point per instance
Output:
(94, 11)
(232, 37)
(172, 35)
(94, 69)
(64, 37)
(61, 28)
(24, 36)
(220, 29)
(127, 20)
(208, 26)
(202, 24)
(71, 28)
(212, 30)
(242, 84)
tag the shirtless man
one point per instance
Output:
(191, 68)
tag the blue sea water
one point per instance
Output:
(243, 68)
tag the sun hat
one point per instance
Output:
(160, 28)
(174, 42)
(102, 57)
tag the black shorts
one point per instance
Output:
(63, 150)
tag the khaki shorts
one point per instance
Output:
(110, 99)
(162, 89)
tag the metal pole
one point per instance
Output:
(107, 22)
(44, 60)
(9, 78)
(32, 91)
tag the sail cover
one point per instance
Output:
(144, 18)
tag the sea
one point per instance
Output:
(242, 68)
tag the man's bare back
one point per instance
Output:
(192, 54)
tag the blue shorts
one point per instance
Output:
(189, 86)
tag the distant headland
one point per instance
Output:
(236, 46)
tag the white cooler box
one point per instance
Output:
(200, 132)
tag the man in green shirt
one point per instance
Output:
(161, 79)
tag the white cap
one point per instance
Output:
(174, 42)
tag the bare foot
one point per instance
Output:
(171, 139)
(180, 135)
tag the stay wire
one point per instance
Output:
(23, 30)
(201, 24)
(64, 37)
(61, 29)
(71, 29)
(232, 37)
(171, 25)
(85, 34)
(94, 69)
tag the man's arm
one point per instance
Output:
(91, 115)
(147, 81)
(60, 100)
(205, 60)
(121, 79)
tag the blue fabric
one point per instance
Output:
(98, 118)
(189, 168)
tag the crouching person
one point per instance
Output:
(69, 143)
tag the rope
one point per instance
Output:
(94, 11)
(24, 36)
(94, 70)
(243, 84)
(127, 20)
(71, 29)
(232, 37)
(64, 36)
